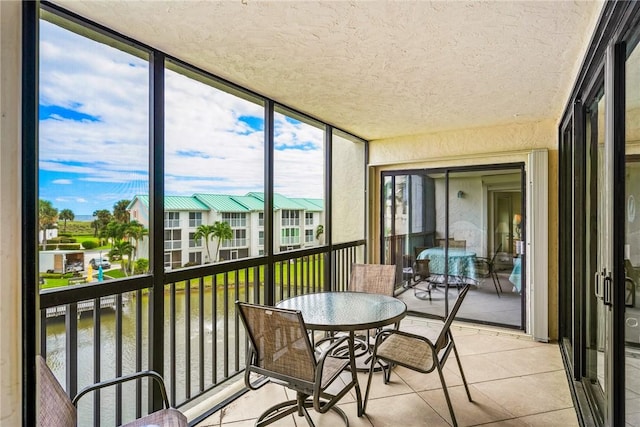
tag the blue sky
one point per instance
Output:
(93, 147)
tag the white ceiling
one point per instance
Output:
(377, 69)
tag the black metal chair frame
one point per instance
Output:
(489, 263)
(440, 351)
(309, 394)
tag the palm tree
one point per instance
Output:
(120, 212)
(123, 248)
(222, 231)
(204, 232)
(47, 217)
(135, 232)
(66, 215)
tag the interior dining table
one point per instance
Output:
(461, 263)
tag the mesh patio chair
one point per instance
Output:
(281, 352)
(57, 410)
(418, 353)
(488, 267)
(374, 279)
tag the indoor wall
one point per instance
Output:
(491, 145)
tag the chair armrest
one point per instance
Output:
(123, 379)
(330, 349)
(387, 332)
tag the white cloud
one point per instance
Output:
(62, 181)
(208, 146)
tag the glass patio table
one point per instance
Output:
(347, 312)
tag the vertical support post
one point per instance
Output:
(269, 273)
(156, 221)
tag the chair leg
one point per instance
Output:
(446, 395)
(498, 280)
(464, 379)
(374, 360)
(495, 285)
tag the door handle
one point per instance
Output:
(597, 285)
(608, 290)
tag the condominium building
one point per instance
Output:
(296, 221)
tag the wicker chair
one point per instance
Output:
(418, 353)
(57, 410)
(281, 352)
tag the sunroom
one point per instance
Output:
(266, 148)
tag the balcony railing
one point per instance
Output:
(204, 341)
(234, 243)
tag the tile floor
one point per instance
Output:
(514, 381)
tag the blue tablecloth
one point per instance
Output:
(461, 263)
(516, 276)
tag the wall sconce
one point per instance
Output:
(460, 194)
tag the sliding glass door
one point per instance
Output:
(470, 224)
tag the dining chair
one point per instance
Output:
(281, 352)
(374, 279)
(422, 279)
(488, 265)
(56, 409)
(419, 353)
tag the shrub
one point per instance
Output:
(89, 244)
(67, 275)
(68, 240)
(142, 266)
(69, 246)
(51, 275)
(64, 234)
(50, 247)
(190, 264)
(54, 240)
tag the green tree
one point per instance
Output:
(47, 218)
(103, 217)
(66, 215)
(221, 231)
(135, 232)
(114, 231)
(123, 248)
(120, 212)
(204, 232)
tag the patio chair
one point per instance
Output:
(281, 352)
(57, 410)
(374, 279)
(488, 266)
(418, 353)
(422, 278)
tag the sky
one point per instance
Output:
(93, 132)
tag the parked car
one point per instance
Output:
(99, 262)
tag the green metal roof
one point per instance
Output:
(175, 203)
(221, 202)
(252, 203)
(280, 201)
(183, 203)
(312, 205)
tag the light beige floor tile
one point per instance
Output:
(407, 411)
(531, 394)
(481, 410)
(562, 418)
(483, 343)
(253, 403)
(481, 368)
(396, 386)
(331, 419)
(531, 360)
(422, 382)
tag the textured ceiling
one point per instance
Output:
(377, 69)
